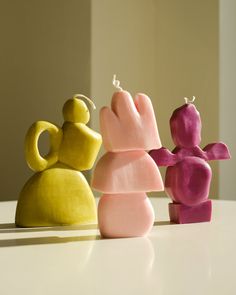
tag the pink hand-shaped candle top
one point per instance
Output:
(129, 124)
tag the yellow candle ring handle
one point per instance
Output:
(35, 161)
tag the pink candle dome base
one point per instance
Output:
(125, 215)
(180, 213)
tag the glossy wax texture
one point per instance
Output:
(56, 196)
(188, 175)
(125, 215)
(188, 182)
(185, 125)
(127, 171)
(58, 193)
(79, 147)
(129, 124)
(80, 144)
(180, 213)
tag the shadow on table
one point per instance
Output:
(11, 228)
(159, 223)
(46, 240)
(6, 225)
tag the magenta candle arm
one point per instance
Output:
(163, 157)
(217, 151)
(213, 151)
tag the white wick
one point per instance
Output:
(88, 99)
(187, 100)
(116, 83)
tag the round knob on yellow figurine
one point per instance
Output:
(76, 111)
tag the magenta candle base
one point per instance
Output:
(180, 213)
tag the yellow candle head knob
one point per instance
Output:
(75, 110)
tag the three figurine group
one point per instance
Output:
(58, 193)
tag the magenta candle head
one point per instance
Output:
(185, 125)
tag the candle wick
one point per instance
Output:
(88, 99)
(187, 100)
(116, 83)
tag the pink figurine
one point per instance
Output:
(188, 175)
(123, 173)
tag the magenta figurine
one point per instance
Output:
(122, 174)
(188, 175)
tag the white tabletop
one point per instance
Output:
(174, 259)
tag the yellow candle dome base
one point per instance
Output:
(56, 196)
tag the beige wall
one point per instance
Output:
(44, 59)
(167, 49)
(227, 95)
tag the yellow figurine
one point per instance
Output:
(58, 193)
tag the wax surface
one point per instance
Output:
(32, 154)
(188, 175)
(129, 124)
(185, 126)
(213, 151)
(80, 146)
(188, 182)
(126, 172)
(180, 213)
(58, 194)
(125, 215)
